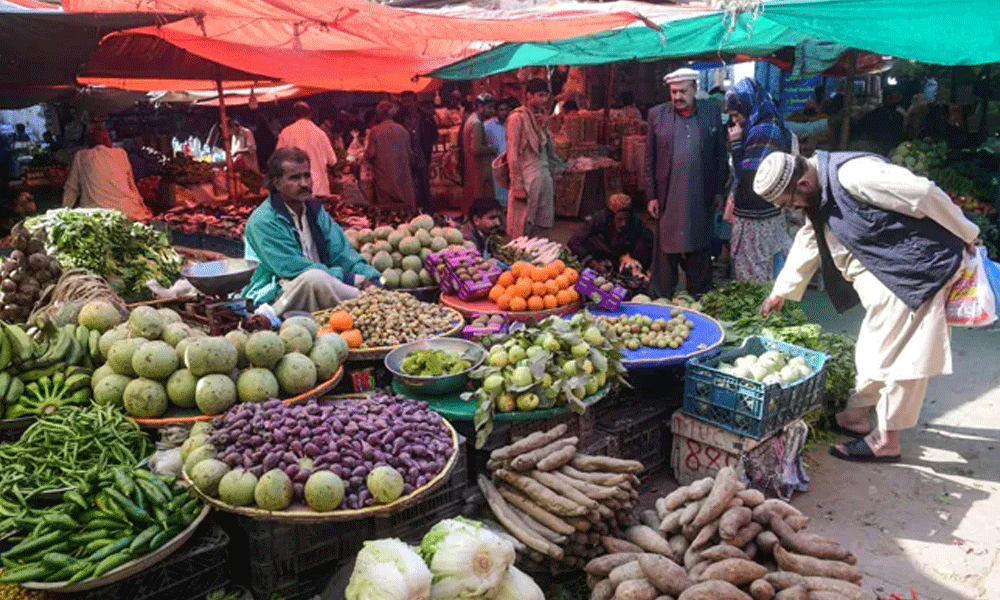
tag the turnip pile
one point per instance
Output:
(564, 507)
(717, 540)
(347, 454)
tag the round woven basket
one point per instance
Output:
(379, 352)
(299, 513)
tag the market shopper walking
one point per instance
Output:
(477, 154)
(759, 239)
(308, 137)
(531, 158)
(423, 136)
(686, 172)
(387, 147)
(892, 241)
(306, 262)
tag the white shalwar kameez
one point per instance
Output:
(898, 349)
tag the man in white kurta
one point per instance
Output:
(898, 349)
(101, 177)
(308, 137)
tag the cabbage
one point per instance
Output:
(388, 570)
(517, 585)
(466, 559)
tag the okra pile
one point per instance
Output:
(120, 515)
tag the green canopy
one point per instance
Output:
(942, 32)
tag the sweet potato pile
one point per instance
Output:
(717, 540)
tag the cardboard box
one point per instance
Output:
(699, 449)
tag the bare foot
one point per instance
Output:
(855, 419)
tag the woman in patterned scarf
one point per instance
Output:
(759, 240)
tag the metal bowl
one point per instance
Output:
(436, 385)
(220, 277)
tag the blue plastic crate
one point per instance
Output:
(746, 407)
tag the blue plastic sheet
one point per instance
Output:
(707, 336)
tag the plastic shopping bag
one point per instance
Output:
(993, 276)
(971, 301)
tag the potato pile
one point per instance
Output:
(716, 540)
(387, 318)
(25, 275)
(561, 505)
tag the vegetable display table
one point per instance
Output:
(487, 307)
(707, 336)
(178, 416)
(452, 407)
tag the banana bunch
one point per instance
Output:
(46, 369)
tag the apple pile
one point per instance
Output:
(558, 363)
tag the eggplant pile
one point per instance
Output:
(25, 275)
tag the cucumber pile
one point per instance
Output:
(121, 515)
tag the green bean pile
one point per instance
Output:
(68, 449)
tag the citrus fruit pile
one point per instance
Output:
(531, 288)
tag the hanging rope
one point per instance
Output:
(732, 10)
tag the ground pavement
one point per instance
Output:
(931, 521)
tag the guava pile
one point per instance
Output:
(155, 360)
(398, 254)
(558, 363)
(770, 367)
(636, 331)
(342, 455)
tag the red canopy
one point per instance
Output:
(330, 44)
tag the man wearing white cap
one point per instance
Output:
(686, 172)
(892, 241)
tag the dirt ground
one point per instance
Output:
(929, 522)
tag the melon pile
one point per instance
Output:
(154, 361)
(398, 254)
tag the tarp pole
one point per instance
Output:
(845, 127)
(231, 186)
(607, 103)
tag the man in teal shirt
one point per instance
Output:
(306, 262)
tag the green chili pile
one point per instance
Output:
(68, 449)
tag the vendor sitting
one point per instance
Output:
(483, 224)
(306, 262)
(614, 241)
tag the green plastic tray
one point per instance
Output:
(452, 407)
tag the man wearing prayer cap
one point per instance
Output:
(686, 172)
(893, 242)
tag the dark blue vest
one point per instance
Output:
(912, 257)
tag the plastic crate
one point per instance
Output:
(746, 407)
(199, 567)
(412, 523)
(639, 434)
(280, 557)
(608, 300)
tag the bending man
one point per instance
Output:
(893, 242)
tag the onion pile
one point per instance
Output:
(348, 437)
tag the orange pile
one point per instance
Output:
(527, 287)
(342, 322)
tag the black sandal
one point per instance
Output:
(858, 450)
